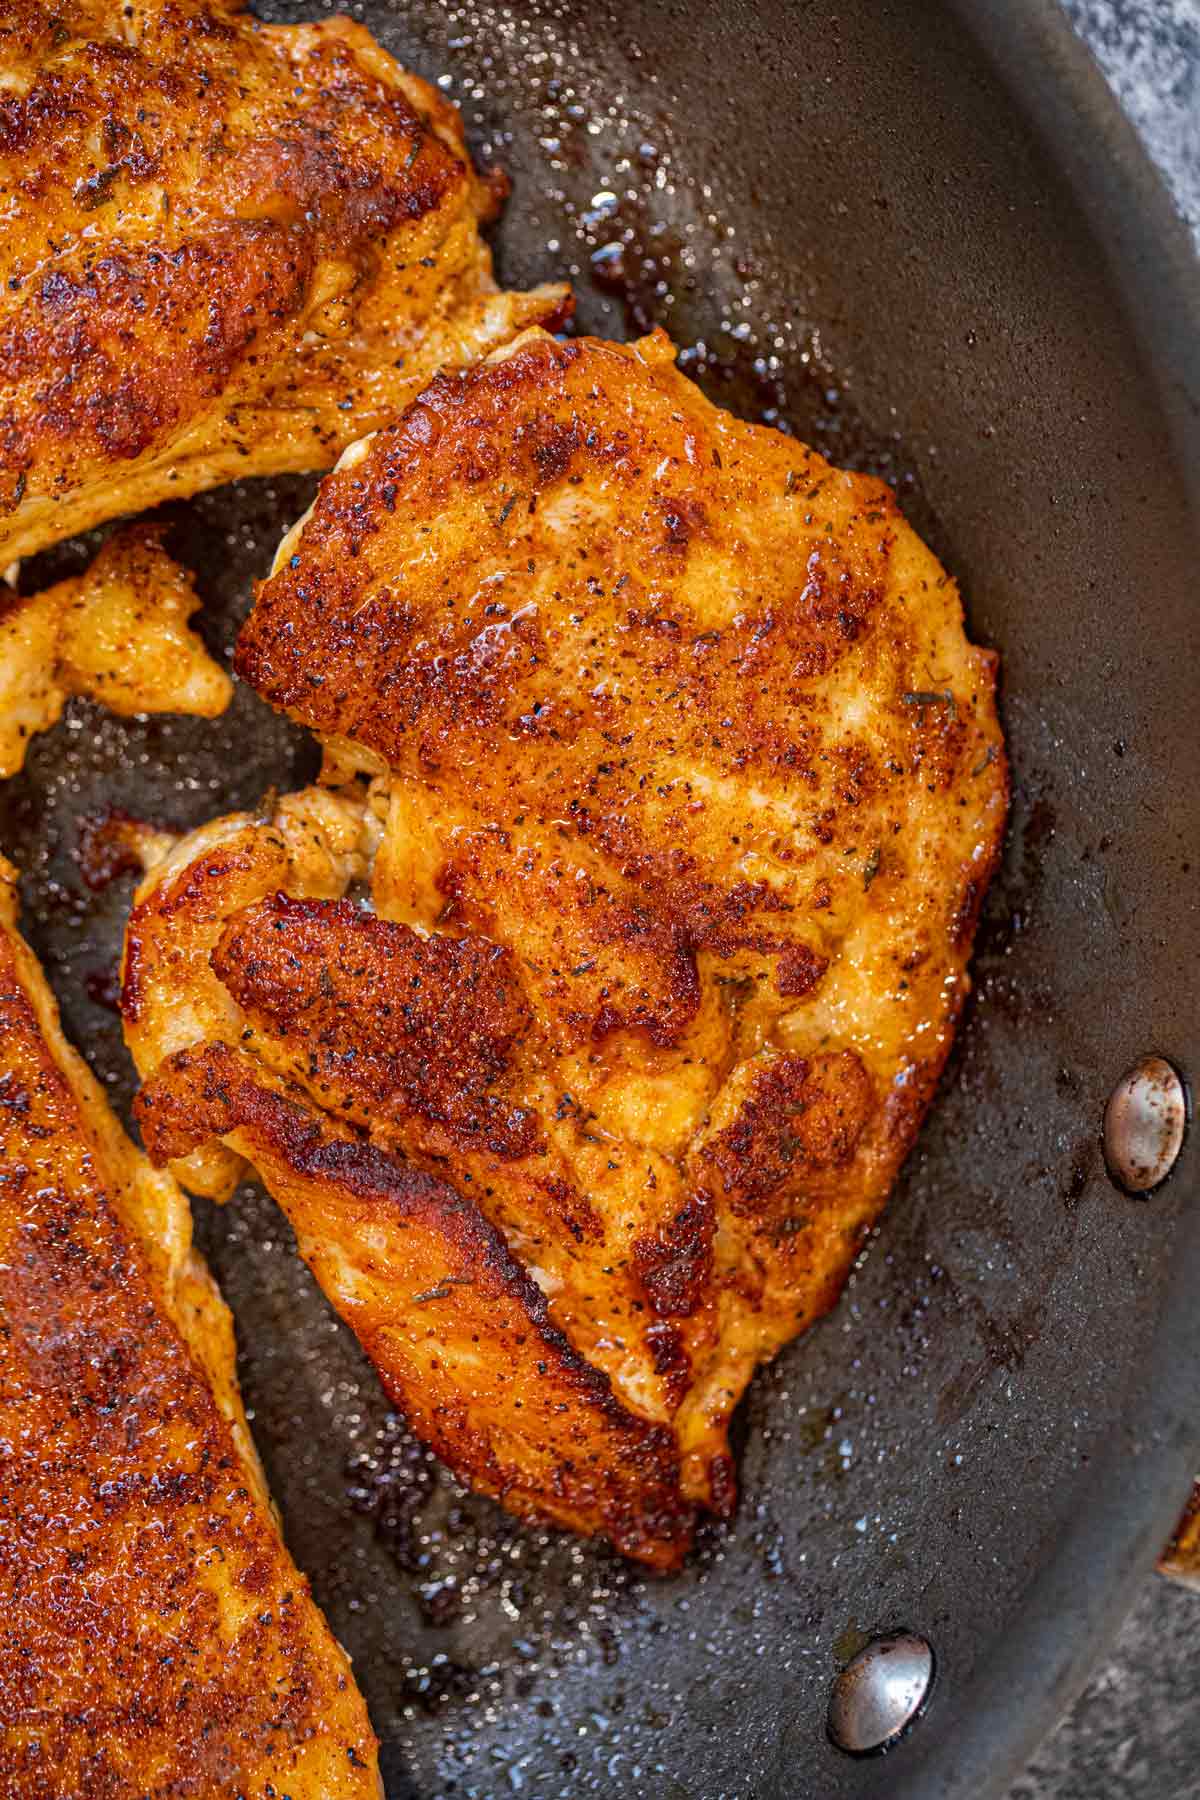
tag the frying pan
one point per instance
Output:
(922, 237)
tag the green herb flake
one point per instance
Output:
(923, 697)
(440, 1292)
(441, 1289)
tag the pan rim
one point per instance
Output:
(1087, 1585)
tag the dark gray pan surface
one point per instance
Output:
(846, 188)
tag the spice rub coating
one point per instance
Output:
(684, 723)
(117, 633)
(388, 1019)
(228, 249)
(347, 1058)
(155, 1636)
(460, 1333)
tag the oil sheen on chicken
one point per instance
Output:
(228, 249)
(156, 1639)
(677, 786)
(117, 633)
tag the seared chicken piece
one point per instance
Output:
(317, 843)
(228, 250)
(155, 1637)
(689, 787)
(459, 1331)
(117, 633)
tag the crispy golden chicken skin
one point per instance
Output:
(685, 787)
(228, 250)
(155, 1637)
(118, 633)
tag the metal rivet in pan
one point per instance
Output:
(879, 1693)
(1144, 1123)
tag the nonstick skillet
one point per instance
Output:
(922, 237)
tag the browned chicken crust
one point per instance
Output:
(228, 249)
(460, 1332)
(685, 787)
(456, 1327)
(155, 1637)
(117, 633)
(390, 1022)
